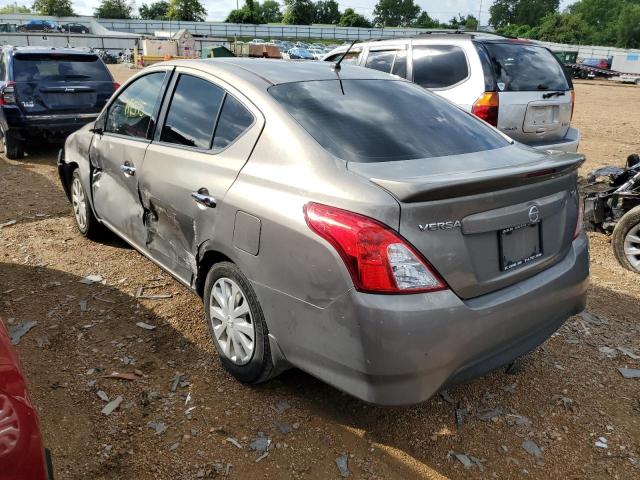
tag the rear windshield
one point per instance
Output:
(58, 67)
(383, 120)
(521, 68)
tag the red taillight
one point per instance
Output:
(580, 222)
(573, 102)
(378, 259)
(486, 107)
(116, 86)
(8, 94)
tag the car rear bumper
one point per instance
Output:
(58, 125)
(401, 349)
(568, 144)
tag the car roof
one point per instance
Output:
(273, 71)
(482, 37)
(66, 51)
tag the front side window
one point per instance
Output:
(383, 120)
(439, 66)
(192, 114)
(131, 113)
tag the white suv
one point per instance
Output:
(517, 86)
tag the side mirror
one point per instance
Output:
(98, 126)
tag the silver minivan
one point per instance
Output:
(515, 85)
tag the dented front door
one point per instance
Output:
(117, 154)
(208, 132)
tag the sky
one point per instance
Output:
(217, 10)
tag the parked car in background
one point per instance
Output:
(37, 25)
(75, 28)
(517, 86)
(22, 454)
(604, 63)
(47, 93)
(387, 253)
(300, 54)
(8, 27)
(317, 53)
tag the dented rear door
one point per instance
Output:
(207, 133)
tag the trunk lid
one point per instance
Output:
(484, 220)
(60, 83)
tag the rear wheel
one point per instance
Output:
(236, 324)
(626, 240)
(12, 147)
(86, 221)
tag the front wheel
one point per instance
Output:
(236, 324)
(626, 240)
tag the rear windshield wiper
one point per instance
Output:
(79, 75)
(553, 94)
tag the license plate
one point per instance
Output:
(542, 116)
(519, 245)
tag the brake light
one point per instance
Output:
(486, 107)
(8, 96)
(378, 259)
(580, 222)
(573, 102)
(116, 86)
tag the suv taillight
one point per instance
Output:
(8, 95)
(580, 222)
(573, 102)
(486, 107)
(378, 259)
(116, 86)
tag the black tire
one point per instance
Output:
(259, 367)
(13, 148)
(630, 221)
(90, 227)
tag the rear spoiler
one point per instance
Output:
(439, 187)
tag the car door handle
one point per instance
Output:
(128, 170)
(203, 198)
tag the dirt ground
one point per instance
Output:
(562, 397)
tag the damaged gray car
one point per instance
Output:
(339, 220)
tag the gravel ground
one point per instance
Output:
(181, 415)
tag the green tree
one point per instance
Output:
(520, 12)
(154, 11)
(298, 12)
(187, 10)
(14, 8)
(113, 9)
(425, 21)
(249, 13)
(395, 13)
(327, 12)
(629, 27)
(270, 11)
(352, 19)
(55, 8)
(562, 28)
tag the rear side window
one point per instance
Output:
(234, 120)
(383, 120)
(192, 114)
(59, 67)
(352, 57)
(388, 61)
(521, 67)
(439, 66)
